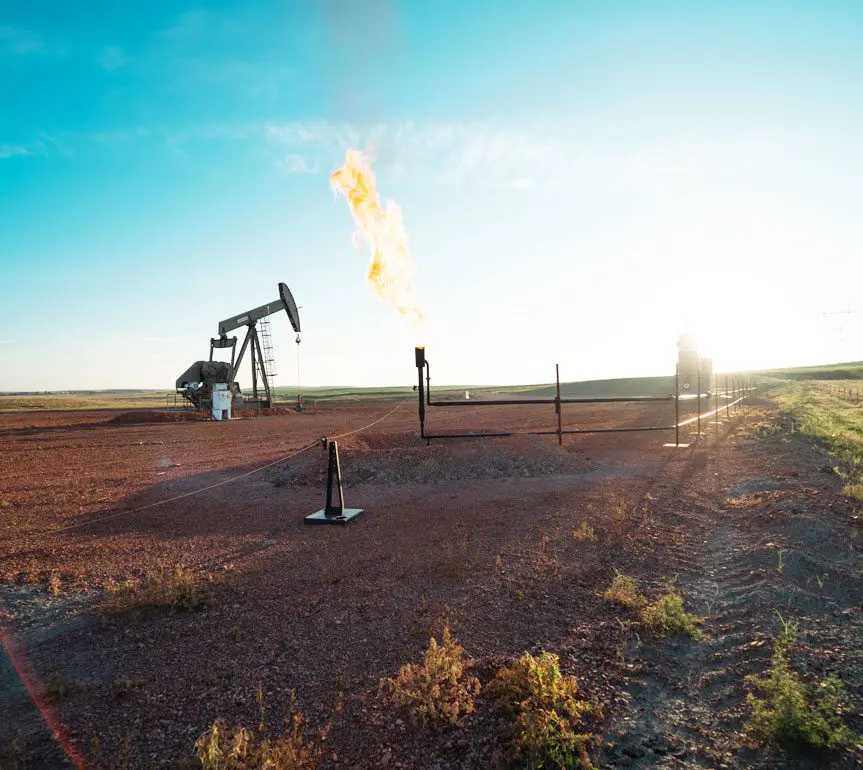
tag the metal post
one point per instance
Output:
(557, 406)
(419, 352)
(334, 473)
(726, 395)
(698, 384)
(254, 368)
(677, 405)
(716, 402)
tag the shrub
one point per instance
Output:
(178, 588)
(792, 715)
(543, 712)
(437, 690)
(55, 584)
(667, 617)
(220, 748)
(624, 591)
(584, 533)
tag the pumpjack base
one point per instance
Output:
(347, 515)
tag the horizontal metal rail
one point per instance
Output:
(529, 401)
(425, 400)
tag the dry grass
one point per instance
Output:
(543, 713)
(751, 500)
(584, 534)
(238, 748)
(624, 591)
(178, 588)
(55, 585)
(438, 690)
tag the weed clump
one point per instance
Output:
(584, 533)
(542, 709)
(624, 591)
(437, 690)
(178, 588)
(223, 748)
(791, 714)
(667, 616)
(55, 584)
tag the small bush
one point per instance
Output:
(55, 584)
(624, 591)
(438, 690)
(178, 588)
(584, 533)
(221, 748)
(667, 617)
(792, 715)
(543, 712)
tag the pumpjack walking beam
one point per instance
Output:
(250, 319)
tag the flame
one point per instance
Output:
(391, 268)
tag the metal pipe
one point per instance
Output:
(565, 432)
(529, 401)
(419, 353)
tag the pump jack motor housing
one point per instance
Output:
(196, 383)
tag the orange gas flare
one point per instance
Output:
(391, 268)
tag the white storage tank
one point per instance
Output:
(221, 401)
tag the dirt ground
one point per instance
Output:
(477, 534)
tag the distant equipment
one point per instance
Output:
(204, 381)
(693, 371)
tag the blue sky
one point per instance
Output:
(579, 182)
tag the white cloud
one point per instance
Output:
(7, 342)
(15, 41)
(112, 58)
(14, 150)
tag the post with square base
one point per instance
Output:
(334, 514)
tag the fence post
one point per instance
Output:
(698, 383)
(557, 406)
(677, 405)
(726, 396)
(716, 403)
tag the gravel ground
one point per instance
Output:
(476, 534)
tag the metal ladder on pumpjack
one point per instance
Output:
(269, 362)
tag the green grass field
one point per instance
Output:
(828, 409)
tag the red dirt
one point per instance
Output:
(476, 533)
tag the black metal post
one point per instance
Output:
(419, 352)
(557, 406)
(334, 473)
(677, 405)
(726, 396)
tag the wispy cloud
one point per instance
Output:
(15, 41)
(14, 151)
(482, 155)
(7, 342)
(112, 58)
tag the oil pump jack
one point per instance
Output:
(199, 381)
